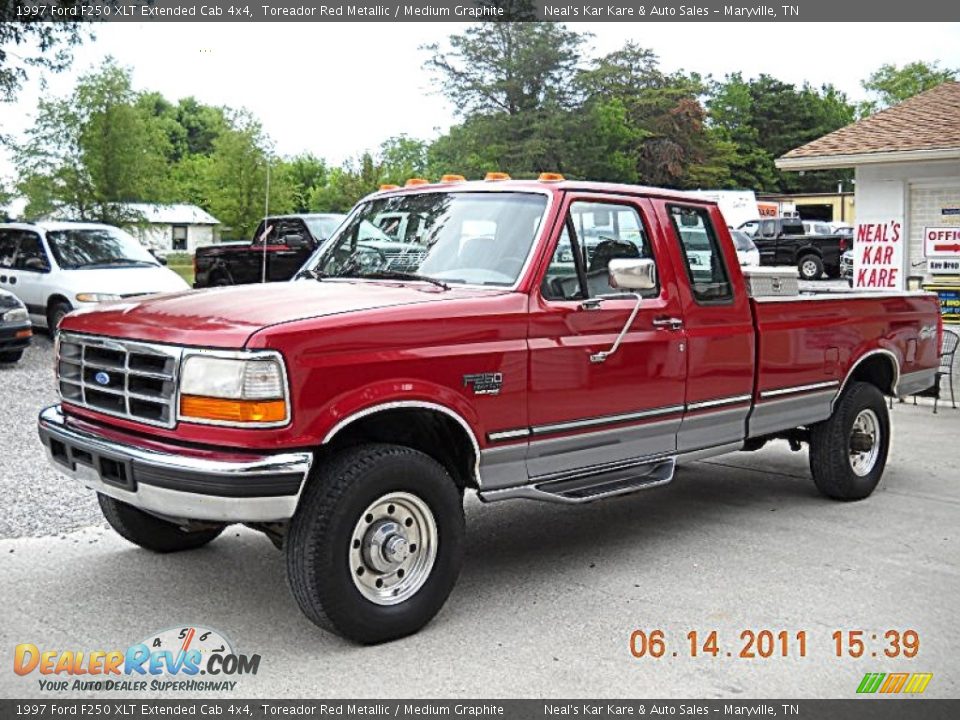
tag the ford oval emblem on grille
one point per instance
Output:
(102, 378)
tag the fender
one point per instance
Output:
(890, 355)
(395, 394)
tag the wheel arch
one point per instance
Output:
(879, 367)
(52, 300)
(434, 429)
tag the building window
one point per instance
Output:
(179, 237)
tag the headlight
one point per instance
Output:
(97, 297)
(15, 315)
(234, 390)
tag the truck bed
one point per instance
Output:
(810, 345)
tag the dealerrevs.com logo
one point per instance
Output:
(190, 659)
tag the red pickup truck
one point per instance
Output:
(551, 340)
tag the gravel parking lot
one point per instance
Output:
(549, 595)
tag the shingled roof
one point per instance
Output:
(926, 126)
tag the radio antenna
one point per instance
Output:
(266, 229)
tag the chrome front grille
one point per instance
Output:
(132, 380)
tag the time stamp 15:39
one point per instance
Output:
(763, 644)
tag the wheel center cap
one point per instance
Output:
(396, 549)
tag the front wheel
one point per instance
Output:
(149, 532)
(848, 451)
(377, 543)
(55, 314)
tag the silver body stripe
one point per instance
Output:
(605, 420)
(799, 389)
(718, 402)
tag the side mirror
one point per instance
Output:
(633, 274)
(295, 242)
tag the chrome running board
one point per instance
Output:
(612, 481)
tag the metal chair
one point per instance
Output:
(948, 352)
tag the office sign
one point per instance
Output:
(941, 242)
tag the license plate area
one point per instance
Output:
(109, 469)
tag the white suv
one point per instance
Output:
(57, 267)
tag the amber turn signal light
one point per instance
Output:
(195, 407)
(551, 177)
(494, 176)
(416, 181)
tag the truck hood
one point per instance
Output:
(226, 317)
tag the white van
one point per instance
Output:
(57, 267)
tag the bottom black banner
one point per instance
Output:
(868, 709)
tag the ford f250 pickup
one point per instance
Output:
(549, 340)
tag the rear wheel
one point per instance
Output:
(151, 532)
(377, 543)
(848, 452)
(11, 356)
(811, 267)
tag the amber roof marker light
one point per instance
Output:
(453, 179)
(551, 177)
(496, 176)
(389, 187)
(413, 182)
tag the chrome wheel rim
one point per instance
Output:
(864, 442)
(809, 269)
(393, 548)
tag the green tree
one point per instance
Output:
(402, 158)
(234, 179)
(652, 123)
(763, 118)
(890, 84)
(28, 45)
(304, 173)
(108, 152)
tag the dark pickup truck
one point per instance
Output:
(782, 241)
(273, 255)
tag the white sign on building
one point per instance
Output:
(878, 255)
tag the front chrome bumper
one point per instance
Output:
(234, 488)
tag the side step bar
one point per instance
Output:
(587, 488)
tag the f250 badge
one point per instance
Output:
(484, 383)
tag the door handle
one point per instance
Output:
(669, 323)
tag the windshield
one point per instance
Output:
(742, 241)
(97, 247)
(323, 227)
(480, 238)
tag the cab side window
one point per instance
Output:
(31, 255)
(601, 232)
(702, 255)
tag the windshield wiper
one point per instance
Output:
(400, 275)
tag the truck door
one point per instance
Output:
(766, 242)
(719, 328)
(288, 248)
(586, 414)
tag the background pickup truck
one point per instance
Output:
(783, 241)
(553, 340)
(288, 242)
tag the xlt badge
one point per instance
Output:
(484, 383)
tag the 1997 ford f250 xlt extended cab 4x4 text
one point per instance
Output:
(559, 340)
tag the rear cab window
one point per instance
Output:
(703, 257)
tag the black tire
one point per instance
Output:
(11, 356)
(318, 545)
(831, 459)
(55, 314)
(810, 267)
(220, 280)
(149, 532)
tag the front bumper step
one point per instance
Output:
(235, 488)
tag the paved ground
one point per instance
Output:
(549, 594)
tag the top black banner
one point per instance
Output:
(637, 11)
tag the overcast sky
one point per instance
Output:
(340, 88)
